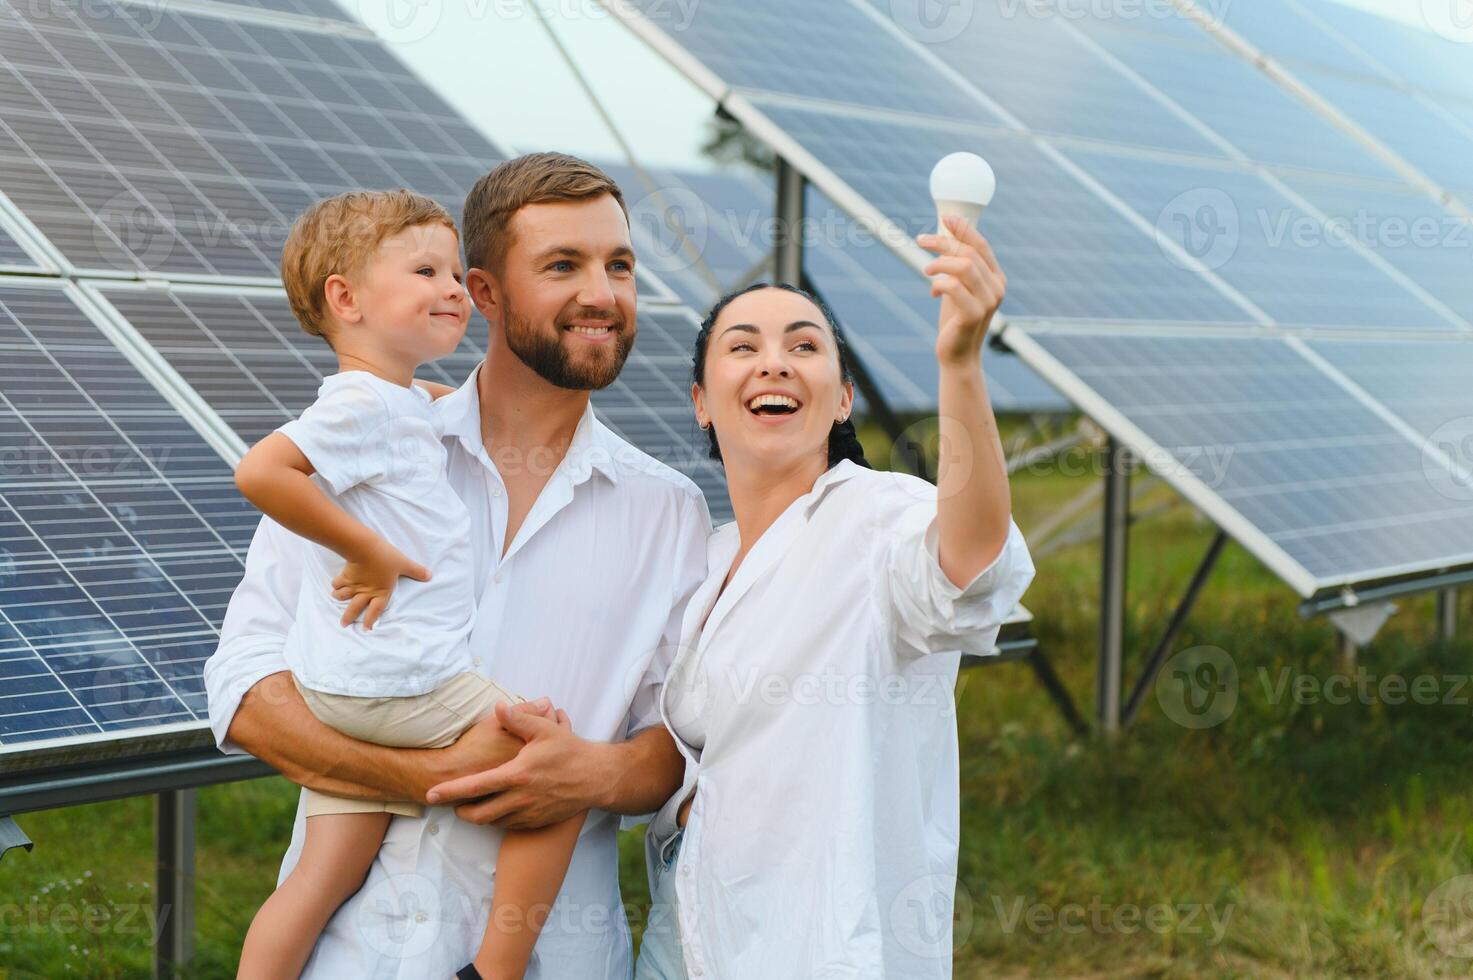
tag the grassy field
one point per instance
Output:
(1298, 837)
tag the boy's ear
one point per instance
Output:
(484, 293)
(342, 302)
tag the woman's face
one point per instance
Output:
(773, 387)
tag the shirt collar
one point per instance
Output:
(843, 470)
(593, 447)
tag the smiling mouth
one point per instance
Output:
(770, 405)
(591, 331)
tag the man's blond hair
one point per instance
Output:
(338, 235)
(536, 178)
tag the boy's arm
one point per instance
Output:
(276, 476)
(255, 708)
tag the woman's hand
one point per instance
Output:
(971, 285)
(366, 582)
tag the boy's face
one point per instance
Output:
(566, 294)
(411, 295)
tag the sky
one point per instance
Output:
(494, 61)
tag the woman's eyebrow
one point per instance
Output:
(750, 328)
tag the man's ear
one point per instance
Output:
(485, 293)
(341, 299)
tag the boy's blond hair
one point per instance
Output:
(337, 236)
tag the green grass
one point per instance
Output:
(1314, 832)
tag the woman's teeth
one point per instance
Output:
(775, 402)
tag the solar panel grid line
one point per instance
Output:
(1283, 76)
(1426, 446)
(1194, 489)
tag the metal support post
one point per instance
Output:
(1115, 537)
(174, 888)
(1447, 614)
(787, 248)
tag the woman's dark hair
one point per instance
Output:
(843, 439)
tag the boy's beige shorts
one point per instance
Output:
(425, 721)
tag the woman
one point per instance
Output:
(812, 695)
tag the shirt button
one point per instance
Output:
(495, 491)
(421, 917)
(476, 662)
(434, 829)
(500, 577)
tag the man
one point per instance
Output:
(586, 552)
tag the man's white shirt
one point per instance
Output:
(585, 608)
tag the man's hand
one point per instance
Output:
(550, 780)
(367, 581)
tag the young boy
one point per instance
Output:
(378, 275)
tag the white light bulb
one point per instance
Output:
(961, 184)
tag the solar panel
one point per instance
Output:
(1260, 242)
(140, 139)
(1417, 56)
(1425, 384)
(1403, 122)
(1069, 253)
(1038, 70)
(120, 535)
(1238, 101)
(1330, 491)
(12, 255)
(324, 9)
(1431, 245)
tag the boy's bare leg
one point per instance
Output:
(337, 852)
(529, 874)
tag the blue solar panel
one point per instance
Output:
(1321, 477)
(831, 51)
(1069, 254)
(120, 534)
(1403, 122)
(12, 255)
(1261, 243)
(1038, 70)
(1416, 55)
(1431, 245)
(1425, 384)
(1240, 103)
(1282, 31)
(139, 139)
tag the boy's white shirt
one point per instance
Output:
(585, 608)
(377, 450)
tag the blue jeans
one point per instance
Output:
(660, 957)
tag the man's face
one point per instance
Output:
(568, 291)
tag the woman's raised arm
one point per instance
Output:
(974, 506)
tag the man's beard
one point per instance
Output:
(550, 359)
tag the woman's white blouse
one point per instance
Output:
(822, 842)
